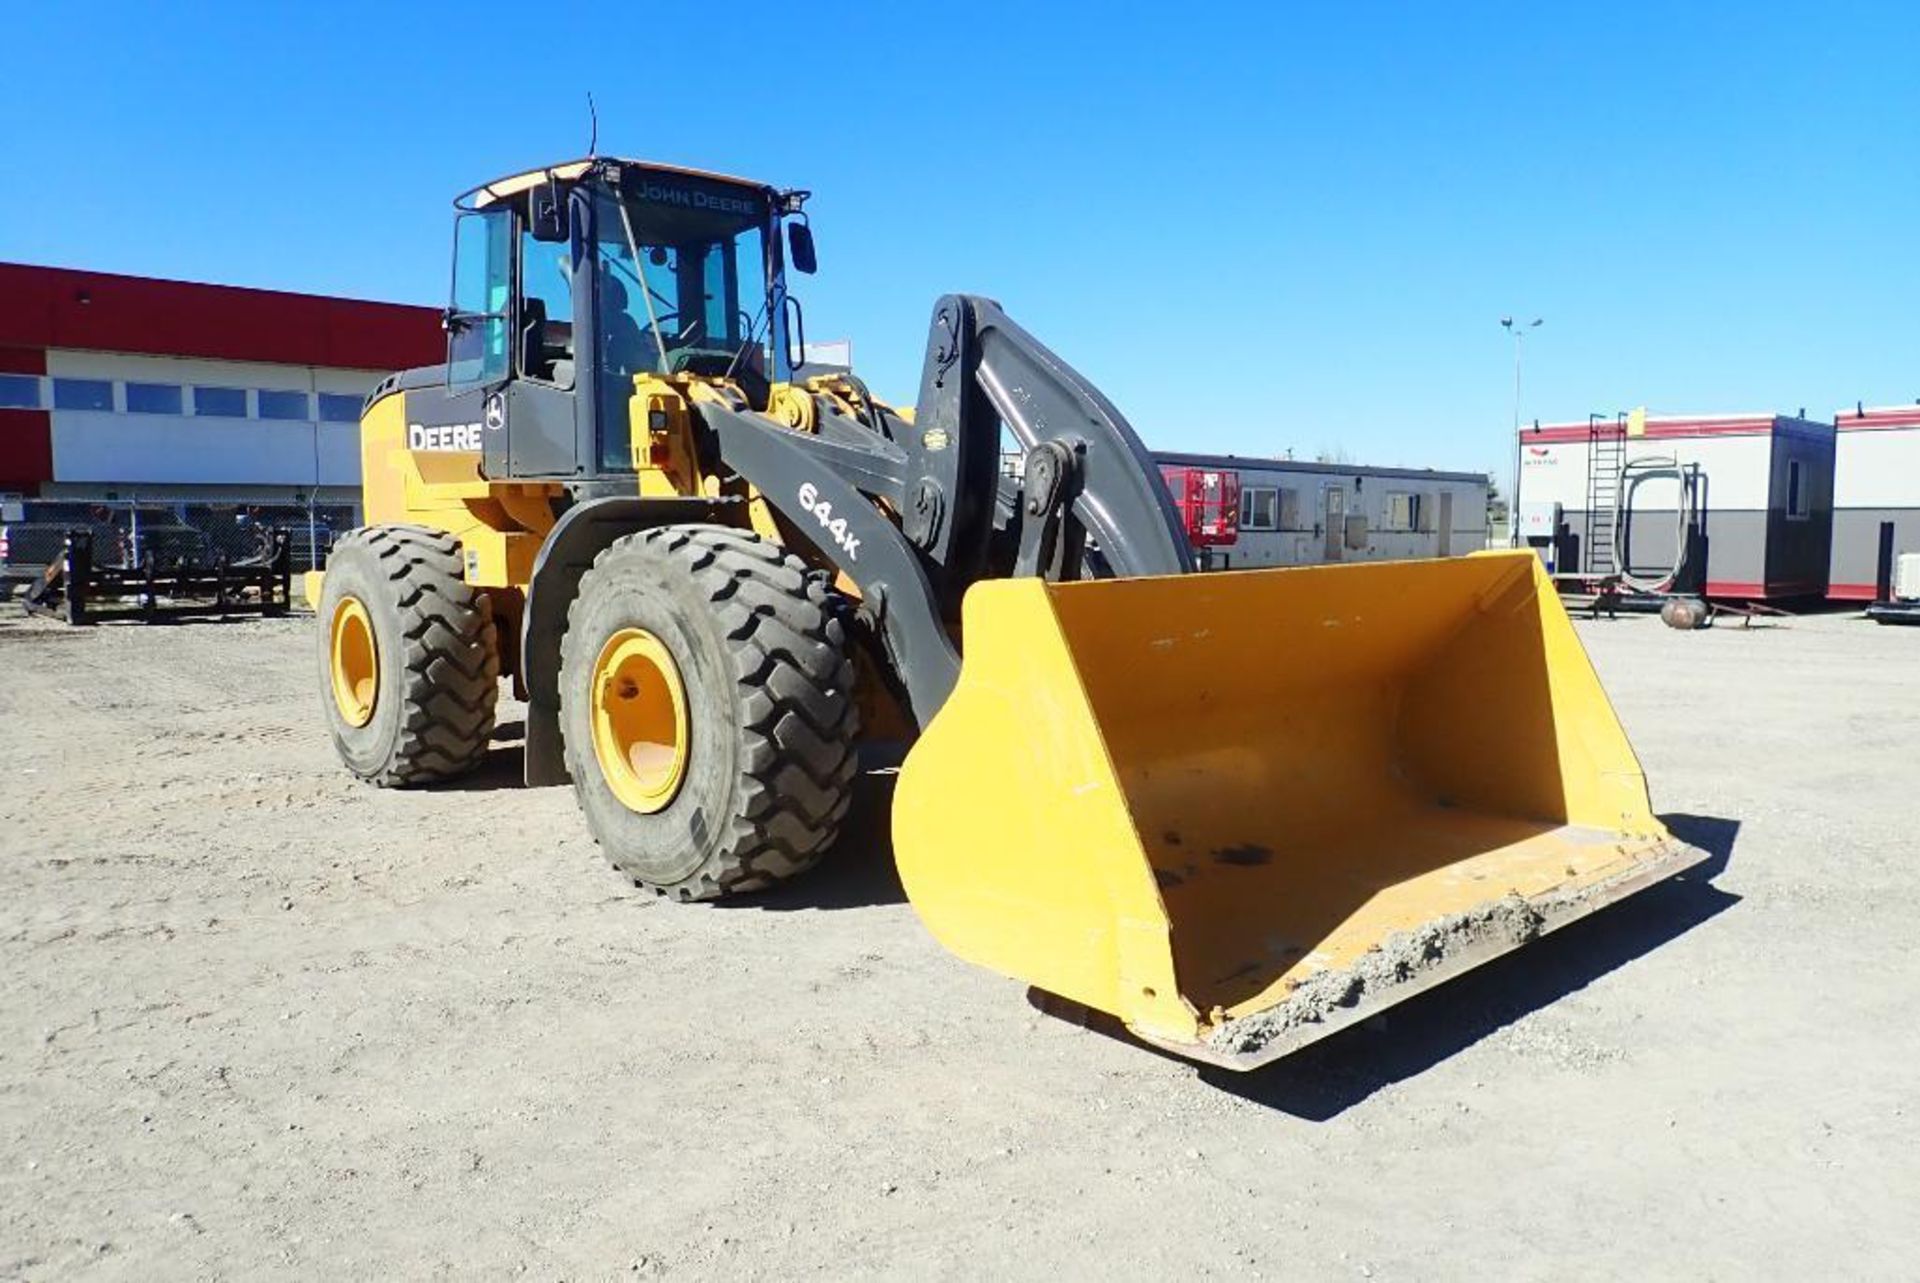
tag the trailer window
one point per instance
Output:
(1260, 508)
(1798, 505)
(1403, 511)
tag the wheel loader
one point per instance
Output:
(1233, 811)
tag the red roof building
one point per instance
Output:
(123, 386)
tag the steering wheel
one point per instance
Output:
(666, 320)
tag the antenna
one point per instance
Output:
(593, 131)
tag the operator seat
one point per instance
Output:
(625, 350)
(625, 347)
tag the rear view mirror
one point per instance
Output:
(800, 248)
(547, 214)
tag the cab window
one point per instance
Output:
(482, 282)
(546, 311)
(680, 283)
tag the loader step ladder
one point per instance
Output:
(1606, 456)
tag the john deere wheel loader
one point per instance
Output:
(1236, 811)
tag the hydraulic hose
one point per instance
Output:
(1631, 474)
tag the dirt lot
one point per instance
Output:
(256, 1018)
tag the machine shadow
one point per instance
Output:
(503, 768)
(1325, 1079)
(858, 872)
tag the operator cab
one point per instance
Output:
(569, 281)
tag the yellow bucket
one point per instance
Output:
(1242, 810)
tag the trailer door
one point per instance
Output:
(1336, 515)
(1445, 530)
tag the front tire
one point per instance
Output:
(706, 704)
(409, 663)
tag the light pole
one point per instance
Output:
(1519, 332)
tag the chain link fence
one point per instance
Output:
(127, 531)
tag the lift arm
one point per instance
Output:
(1087, 482)
(983, 371)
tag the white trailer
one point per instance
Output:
(1748, 498)
(1242, 513)
(1876, 498)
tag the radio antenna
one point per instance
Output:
(593, 130)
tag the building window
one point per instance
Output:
(335, 408)
(225, 403)
(1799, 504)
(19, 392)
(1403, 511)
(153, 398)
(283, 405)
(82, 394)
(1260, 508)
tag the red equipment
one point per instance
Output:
(1209, 503)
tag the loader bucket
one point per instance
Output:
(1239, 811)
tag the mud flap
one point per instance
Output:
(1239, 811)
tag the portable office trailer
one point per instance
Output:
(1876, 483)
(1749, 498)
(1242, 513)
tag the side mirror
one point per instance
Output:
(800, 248)
(547, 214)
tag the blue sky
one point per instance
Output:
(1257, 227)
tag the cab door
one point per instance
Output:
(511, 338)
(542, 404)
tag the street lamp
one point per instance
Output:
(1518, 332)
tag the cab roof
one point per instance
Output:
(565, 171)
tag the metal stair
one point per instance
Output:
(1606, 456)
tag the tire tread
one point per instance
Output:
(794, 677)
(450, 661)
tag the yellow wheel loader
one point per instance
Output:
(1236, 811)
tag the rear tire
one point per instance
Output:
(769, 725)
(435, 660)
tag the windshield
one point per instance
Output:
(682, 279)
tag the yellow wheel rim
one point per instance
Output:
(639, 720)
(355, 662)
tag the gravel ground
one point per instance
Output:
(258, 1019)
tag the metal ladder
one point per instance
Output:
(1606, 456)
